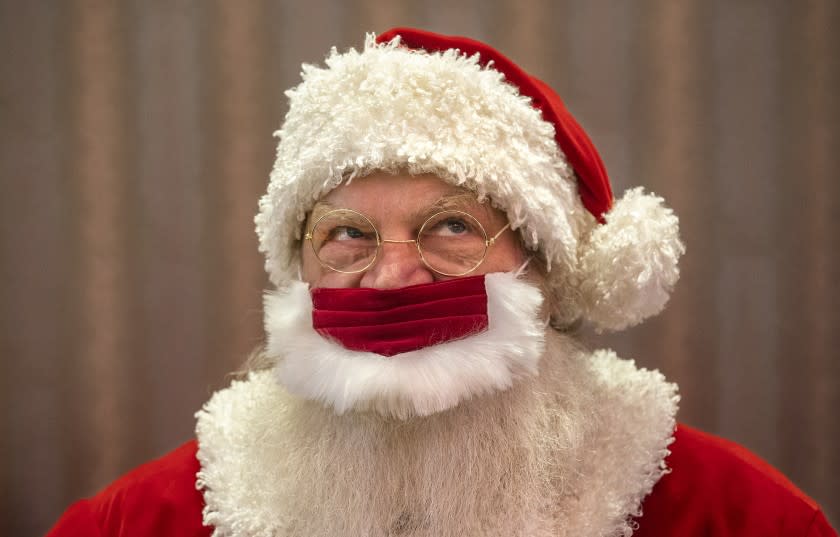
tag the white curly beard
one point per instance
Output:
(480, 469)
(495, 465)
(571, 451)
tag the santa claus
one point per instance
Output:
(437, 226)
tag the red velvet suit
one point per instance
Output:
(716, 488)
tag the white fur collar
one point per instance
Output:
(247, 479)
(416, 383)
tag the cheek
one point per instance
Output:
(318, 276)
(310, 268)
(505, 256)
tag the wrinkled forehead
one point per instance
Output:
(465, 202)
(386, 196)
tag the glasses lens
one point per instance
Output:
(452, 243)
(345, 241)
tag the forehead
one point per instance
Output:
(400, 188)
(382, 195)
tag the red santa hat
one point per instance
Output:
(425, 103)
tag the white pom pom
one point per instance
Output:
(628, 265)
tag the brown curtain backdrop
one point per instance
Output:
(135, 139)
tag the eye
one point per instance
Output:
(455, 225)
(343, 233)
(344, 229)
(450, 226)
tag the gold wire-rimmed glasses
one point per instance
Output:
(450, 242)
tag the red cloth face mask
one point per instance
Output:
(393, 321)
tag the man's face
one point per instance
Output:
(396, 204)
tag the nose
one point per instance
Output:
(399, 265)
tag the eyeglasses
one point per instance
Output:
(451, 243)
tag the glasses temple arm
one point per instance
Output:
(492, 240)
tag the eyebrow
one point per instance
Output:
(322, 207)
(458, 201)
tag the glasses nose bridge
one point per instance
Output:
(382, 242)
(380, 250)
(397, 241)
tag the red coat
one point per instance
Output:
(716, 488)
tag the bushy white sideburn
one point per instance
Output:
(629, 265)
(416, 383)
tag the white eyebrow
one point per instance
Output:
(460, 201)
(321, 207)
